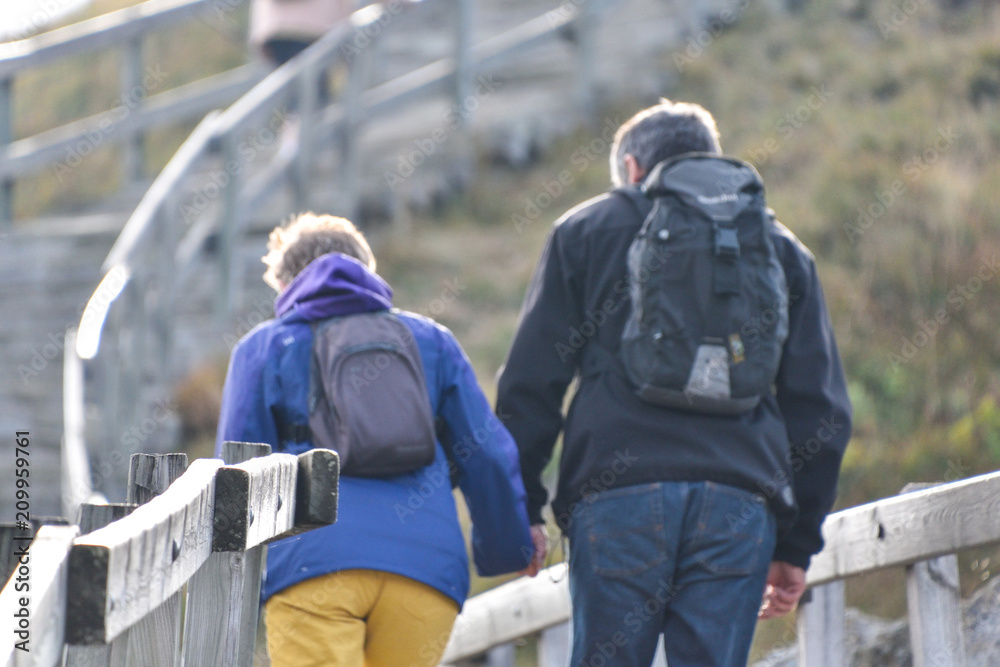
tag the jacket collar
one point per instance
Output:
(333, 285)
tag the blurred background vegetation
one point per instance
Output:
(876, 128)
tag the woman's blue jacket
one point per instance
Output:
(407, 524)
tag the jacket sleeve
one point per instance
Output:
(812, 395)
(488, 471)
(245, 415)
(541, 364)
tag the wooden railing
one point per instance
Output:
(920, 530)
(110, 589)
(125, 336)
(139, 110)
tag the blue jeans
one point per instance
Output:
(685, 559)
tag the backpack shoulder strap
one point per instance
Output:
(634, 195)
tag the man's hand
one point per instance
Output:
(540, 540)
(785, 585)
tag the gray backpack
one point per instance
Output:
(709, 299)
(368, 399)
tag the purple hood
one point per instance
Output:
(333, 285)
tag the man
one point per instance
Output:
(383, 585)
(677, 520)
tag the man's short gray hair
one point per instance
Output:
(660, 132)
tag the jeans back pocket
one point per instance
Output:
(735, 531)
(624, 530)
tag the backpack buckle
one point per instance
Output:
(727, 243)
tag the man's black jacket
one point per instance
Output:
(788, 449)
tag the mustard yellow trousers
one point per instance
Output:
(358, 618)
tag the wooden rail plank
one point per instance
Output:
(908, 528)
(521, 607)
(94, 517)
(111, 594)
(44, 590)
(254, 502)
(316, 490)
(10, 537)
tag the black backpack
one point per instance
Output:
(709, 298)
(368, 399)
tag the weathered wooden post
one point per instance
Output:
(555, 645)
(225, 592)
(358, 78)
(821, 620)
(13, 536)
(501, 656)
(933, 600)
(307, 101)
(94, 517)
(169, 232)
(585, 30)
(257, 500)
(228, 231)
(6, 121)
(125, 578)
(465, 70)
(155, 640)
(133, 96)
